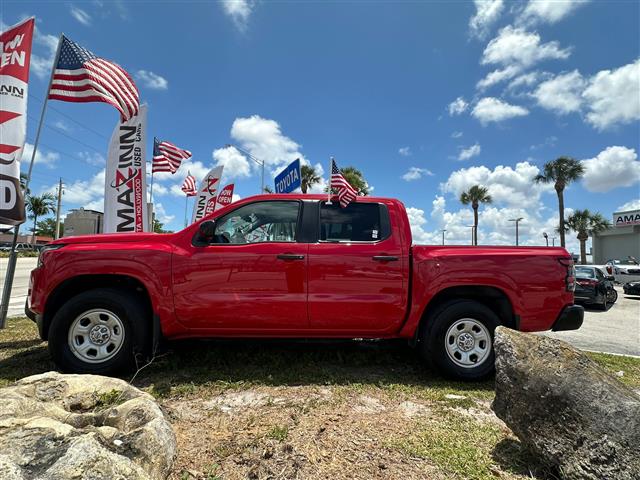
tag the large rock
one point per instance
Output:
(566, 408)
(59, 427)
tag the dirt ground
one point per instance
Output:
(298, 410)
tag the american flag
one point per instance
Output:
(189, 186)
(346, 193)
(167, 157)
(80, 76)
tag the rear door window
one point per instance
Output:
(357, 222)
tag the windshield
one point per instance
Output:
(583, 272)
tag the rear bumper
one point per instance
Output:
(570, 318)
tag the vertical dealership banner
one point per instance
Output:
(125, 189)
(225, 197)
(207, 194)
(15, 54)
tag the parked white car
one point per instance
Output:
(623, 270)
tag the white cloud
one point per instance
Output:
(456, 135)
(562, 93)
(630, 205)
(61, 125)
(491, 109)
(405, 151)
(613, 96)
(517, 47)
(43, 157)
(458, 106)
(162, 215)
(487, 12)
(41, 64)
(196, 168)
(416, 222)
(612, 168)
(84, 193)
(498, 76)
(526, 80)
(94, 159)
(159, 189)
(152, 80)
(235, 164)
(416, 173)
(263, 139)
(81, 16)
(470, 152)
(549, 11)
(513, 187)
(239, 11)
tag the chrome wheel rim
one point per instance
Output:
(96, 336)
(468, 343)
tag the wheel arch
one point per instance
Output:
(82, 283)
(492, 297)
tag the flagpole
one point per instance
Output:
(331, 160)
(186, 207)
(151, 192)
(13, 256)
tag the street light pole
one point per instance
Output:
(443, 230)
(256, 160)
(517, 220)
(546, 237)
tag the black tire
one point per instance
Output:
(604, 305)
(614, 296)
(125, 307)
(434, 339)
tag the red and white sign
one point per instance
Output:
(125, 183)
(225, 197)
(15, 55)
(207, 194)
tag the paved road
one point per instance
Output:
(615, 331)
(20, 283)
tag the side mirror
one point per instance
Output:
(611, 278)
(207, 230)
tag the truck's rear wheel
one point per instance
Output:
(458, 339)
(99, 331)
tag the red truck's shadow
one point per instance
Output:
(295, 362)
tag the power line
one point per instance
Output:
(60, 132)
(70, 118)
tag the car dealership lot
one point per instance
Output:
(615, 331)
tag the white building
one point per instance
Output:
(620, 241)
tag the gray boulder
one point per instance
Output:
(59, 427)
(565, 408)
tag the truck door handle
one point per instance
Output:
(290, 256)
(385, 258)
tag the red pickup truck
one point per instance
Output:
(294, 266)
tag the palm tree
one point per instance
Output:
(561, 172)
(355, 179)
(475, 196)
(583, 222)
(309, 177)
(39, 206)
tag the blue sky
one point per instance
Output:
(426, 98)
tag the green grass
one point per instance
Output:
(193, 366)
(629, 366)
(460, 446)
(279, 433)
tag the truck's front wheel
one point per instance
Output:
(458, 339)
(97, 332)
